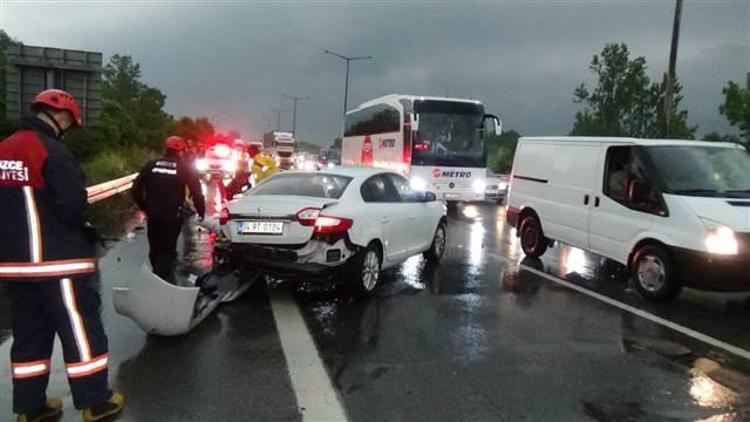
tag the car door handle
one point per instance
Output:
(385, 220)
(596, 202)
(585, 199)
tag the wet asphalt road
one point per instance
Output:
(478, 338)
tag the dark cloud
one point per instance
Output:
(233, 60)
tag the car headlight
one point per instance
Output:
(721, 241)
(201, 164)
(417, 183)
(331, 165)
(309, 166)
(479, 186)
(229, 166)
(502, 186)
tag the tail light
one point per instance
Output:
(326, 224)
(224, 216)
(307, 216)
(323, 224)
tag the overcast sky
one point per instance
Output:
(232, 60)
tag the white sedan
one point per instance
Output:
(346, 223)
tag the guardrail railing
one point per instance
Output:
(104, 190)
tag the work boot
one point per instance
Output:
(51, 410)
(103, 411)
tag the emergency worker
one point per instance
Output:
(240, 182)
(159, 190)
(48, 258)
(263, 166)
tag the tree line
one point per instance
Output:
(625, 102)
(133, 122)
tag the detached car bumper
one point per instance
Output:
(720, 273)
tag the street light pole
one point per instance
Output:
(294, 113)
(672, 73)
(348, 60)
(278, 117)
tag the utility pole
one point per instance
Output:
(294, 113)
(348, 60)
(672, 73)
(278, 117)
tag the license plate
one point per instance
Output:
(260, 227)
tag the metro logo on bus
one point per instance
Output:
(450, 173)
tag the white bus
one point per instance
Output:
(437, 142)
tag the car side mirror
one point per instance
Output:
(429, 196)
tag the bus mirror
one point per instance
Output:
(414, 122)
(493, 126)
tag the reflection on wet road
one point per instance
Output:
(479, 337)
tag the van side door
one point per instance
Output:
(614, 220)
(556, 180)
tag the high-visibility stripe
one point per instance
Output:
(78, 370)
(32, 216)
(76, 322)
(47, 268)
(23, 370)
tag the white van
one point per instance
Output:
(674, 212)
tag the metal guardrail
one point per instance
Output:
(105, 190)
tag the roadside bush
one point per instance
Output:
(116, 163)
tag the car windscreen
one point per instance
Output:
(318, 185)
(702, 171)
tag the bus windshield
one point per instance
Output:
(449, 134)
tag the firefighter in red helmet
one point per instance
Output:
(159, 190)
(48, 258)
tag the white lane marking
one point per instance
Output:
(633, 310)
(315, 394)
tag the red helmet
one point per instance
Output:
(60, 100)
(253, 150)
(175, 143)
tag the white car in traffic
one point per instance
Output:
(346, 223)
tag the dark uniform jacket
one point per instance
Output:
(159, 189)
(43, 206)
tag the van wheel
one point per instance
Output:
(533, 242)
(437, 248)
(365, 270)
(654, 274)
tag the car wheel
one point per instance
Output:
(365, 269)
(654, 274)
(533, 242)
(437, 247)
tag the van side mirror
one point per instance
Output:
(639, 193)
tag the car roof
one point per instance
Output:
(355, 172)
(633, 141)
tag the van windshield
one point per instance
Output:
(702, 171)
